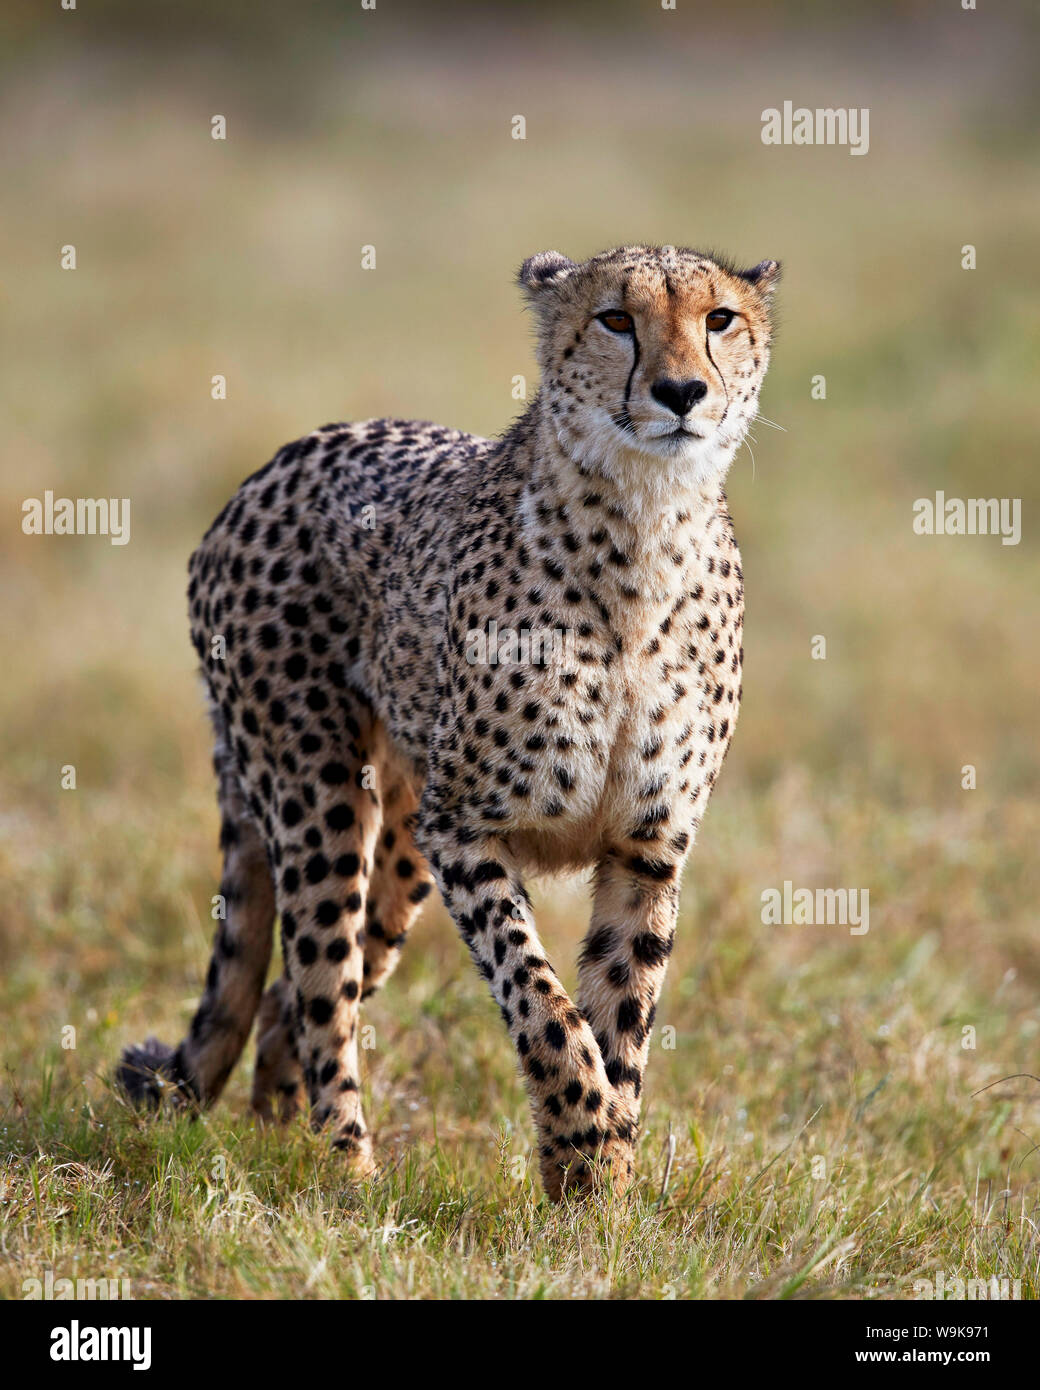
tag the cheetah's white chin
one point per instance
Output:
(653, 470)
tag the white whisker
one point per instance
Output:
(752, 453)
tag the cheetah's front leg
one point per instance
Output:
(581, 1127)
(623, 962)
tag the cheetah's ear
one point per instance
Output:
(763, 276)
(543, 271)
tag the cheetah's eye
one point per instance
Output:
(616, 320)
(719, 319)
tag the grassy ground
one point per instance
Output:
(831, 1134)
(792, 1048)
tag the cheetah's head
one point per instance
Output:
(652, 359)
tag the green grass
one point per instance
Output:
(775, 1048)
(832, 1137)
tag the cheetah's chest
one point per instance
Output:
(634, 738)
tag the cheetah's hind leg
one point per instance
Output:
(199, 1067)
(279, 1091)
(401, 883)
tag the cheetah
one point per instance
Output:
(381, 726)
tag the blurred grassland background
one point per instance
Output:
(242, 258)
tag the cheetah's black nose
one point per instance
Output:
(680, 396)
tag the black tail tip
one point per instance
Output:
(147, 1073)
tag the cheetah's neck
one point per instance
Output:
(647, 538)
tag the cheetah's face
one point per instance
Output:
(652, 358)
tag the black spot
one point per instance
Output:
(649, 868)
(334, 774)
(320, 1009)
(487, 870)
(317, 868)
(618, 974)
(650, 949)
(628, 1015)
(339, 817)
(598, 943)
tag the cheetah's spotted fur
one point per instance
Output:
(362, 756)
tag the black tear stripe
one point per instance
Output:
(635, 364)
(707, 349)
(622, 418)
